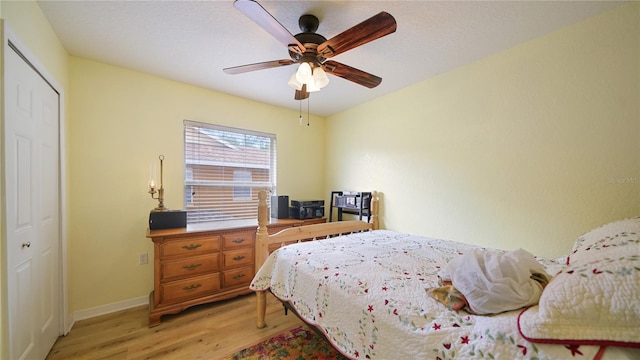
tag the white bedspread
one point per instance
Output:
(367, 293)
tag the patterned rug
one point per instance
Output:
(299, 343)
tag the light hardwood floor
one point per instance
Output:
(203, 332)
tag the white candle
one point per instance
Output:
(152, 175)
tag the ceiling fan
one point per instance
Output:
(311, 50)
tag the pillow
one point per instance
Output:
(595, 299)
(613, 236)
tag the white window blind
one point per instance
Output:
(225, 168)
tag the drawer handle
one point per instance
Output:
(191, 266)
(239, 276)
(191, 246)
(238, 240)
(191, 287)
(239, 257)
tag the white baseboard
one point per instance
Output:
(108, 308)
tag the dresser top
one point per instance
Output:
(221, 225)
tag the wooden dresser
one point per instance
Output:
(204, 263)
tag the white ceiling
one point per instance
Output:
(192, 41)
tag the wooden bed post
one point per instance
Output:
(374, 210)
(262, 252)
(261, 298)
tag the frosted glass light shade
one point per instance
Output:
(304, 74)
(315, 79)
(312, 86)
(294, 83)
(320, 77)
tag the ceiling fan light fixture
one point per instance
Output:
(320, 77)
(294, 83)
(312, 86)
(304, 73)
(313, 76)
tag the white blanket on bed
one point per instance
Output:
(494, 282)
(367, 293)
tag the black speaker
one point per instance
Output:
(167, 219)
(280, 207)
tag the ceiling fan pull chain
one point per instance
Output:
(308, 110)
(300, 115)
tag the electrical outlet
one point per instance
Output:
(144, 259)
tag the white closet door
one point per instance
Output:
(32, 209)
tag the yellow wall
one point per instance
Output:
(120, 121)
(527, 148)
(29, 24)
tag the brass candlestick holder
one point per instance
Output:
(160, 190)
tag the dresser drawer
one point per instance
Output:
(238, 240)
(238, 258)
(193, 265)
(190, 246)
(238, 277)
(190, 288)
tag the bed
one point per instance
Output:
(364, 289)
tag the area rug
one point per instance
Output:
(299, 343)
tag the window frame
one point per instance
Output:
(214, 157)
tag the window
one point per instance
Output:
(225, 168)
(241, 192)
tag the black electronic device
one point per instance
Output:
(353, 200)
(307, 203)
(280, 207)
(306, 209)
(167, 219)
(306, 212)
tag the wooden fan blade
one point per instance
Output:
(352, 74)
(257, 66)
(260, 16)
(302, 94)
(371, 29)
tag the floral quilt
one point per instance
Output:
(367, 292)
(595, 299)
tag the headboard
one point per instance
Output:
(307, 232)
